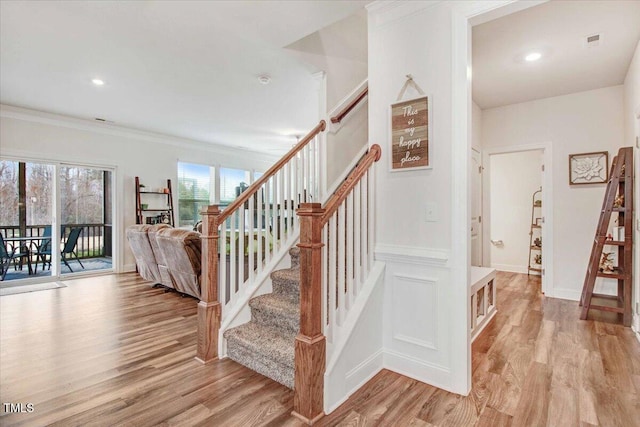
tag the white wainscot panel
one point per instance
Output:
(415, 319)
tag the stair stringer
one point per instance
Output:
(240, 312)
(356, 354)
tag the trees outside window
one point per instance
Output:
(194, 184)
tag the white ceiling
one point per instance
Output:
(557, 30)
(183, 68)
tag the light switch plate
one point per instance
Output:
(431, 213)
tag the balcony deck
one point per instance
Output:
(93, 247)
(90, 264)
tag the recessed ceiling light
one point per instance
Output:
(264, 79)
(533, 56)
(97, 82)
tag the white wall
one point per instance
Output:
(513, 179)
(423, 331)
(577, 123)
(345, 140)
(632, 98)
(632, 130)
(26, 134)
(340, 52)
(357, 353)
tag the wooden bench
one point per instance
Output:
(482, 304)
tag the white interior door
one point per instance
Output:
(476, 208)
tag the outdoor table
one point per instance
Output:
(24, 247)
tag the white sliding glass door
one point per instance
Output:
(55, 220)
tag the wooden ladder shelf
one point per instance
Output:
(619, 199)
(535, 234)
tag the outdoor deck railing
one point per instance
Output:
(94, 241)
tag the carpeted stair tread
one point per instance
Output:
(267, 343)
(276, 310)
(286, 281)
(265, 349)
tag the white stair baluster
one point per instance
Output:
(232, 257)
(370, 220)
(349, 253)
(357, 242)
(333, 258)
(222, 265)
(342, 303)
(267, 221)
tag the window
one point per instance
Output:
(197, 189)
(194, 191)
(232, 183)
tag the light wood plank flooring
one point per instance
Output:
(113, 351)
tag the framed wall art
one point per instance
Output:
(411, 134)
(589, 168)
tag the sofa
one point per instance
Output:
(144, 252)
(167, 256)
(181, 254)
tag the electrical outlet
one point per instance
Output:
(431, 214)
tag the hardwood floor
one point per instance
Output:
(113, 351)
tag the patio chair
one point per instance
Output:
(43, 249)
(70, 247)
(7, 255)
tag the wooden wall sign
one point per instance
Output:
(410, 134)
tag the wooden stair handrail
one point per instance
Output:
(310, 345)
(253, 188)
(346, 110)
(354, 177)
(209, 307)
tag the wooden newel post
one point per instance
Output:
(209, 309)
(310, 355)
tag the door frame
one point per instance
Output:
(56, 257)
(115, 241)
(481, 208)
(464, 16)
(636, 312)
(547, 204)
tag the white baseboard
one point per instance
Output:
(366, 370)
(429, 373)
(563, 293)
(575, 294)
(511, 268)
(129, 268)
(359, 376)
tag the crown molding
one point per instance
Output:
(41, 117)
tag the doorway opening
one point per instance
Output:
(511, 175)
(57, 220)
(514, 212)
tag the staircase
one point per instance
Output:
(285, 339)
(266, 343)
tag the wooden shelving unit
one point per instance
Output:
(535, 233)
(619, 199)
(149, 196)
